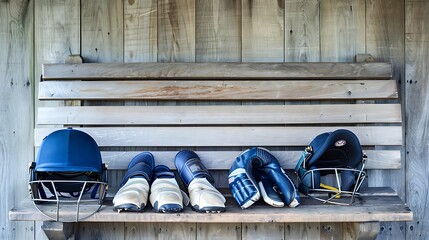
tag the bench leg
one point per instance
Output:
(58, 230)
(361, 231)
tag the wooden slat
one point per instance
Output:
(365, 209)
(221, 160)
(226, 136)
(219, 90)
(103, 71)
(205, 115)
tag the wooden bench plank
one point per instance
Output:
(88, 71)
(222, 160)
(206, 115)
(227, 136)
(366, 208)
(218, 90)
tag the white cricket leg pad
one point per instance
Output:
(166, 196)
(205, 197)
(132, 196)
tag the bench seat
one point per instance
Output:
(375, 204)
(219, 110)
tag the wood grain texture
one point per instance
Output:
(156, 230)
(304, 231)
(417, 102)
(102, 30)
(140, 31)
(56, 36)
(342, 29)
(256, 231)
(416, 17)
(218, 90)
(16, 117)
(176, 31)
(105, 230)
(218, 31)
(226, 136)
(198, 71)
(263, 31)
(367, 208)
(302, 31)
(221, 114)
(221, 160)
(219, 231)
(385, 41)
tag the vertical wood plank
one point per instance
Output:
(16, 112)
(218, 31)
(102, 31)
(113, 231)
(302, 36)
(263, 31)
(175, 231)
(416, 105)
(176, 31)
(263, 231)
(332, 231)
(302, 231)
(140, 33)
(102, 41)
(385, 41)
(57, 35)
(219, 231)
(342, 29)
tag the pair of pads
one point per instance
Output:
(165, 193)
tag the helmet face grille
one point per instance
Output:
(68, 177)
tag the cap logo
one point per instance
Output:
(340, 143)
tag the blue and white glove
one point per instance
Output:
(257, 172)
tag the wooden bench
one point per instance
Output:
(218, 110)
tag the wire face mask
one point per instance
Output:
(337, 154)
(68, 181)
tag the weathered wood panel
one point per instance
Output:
(140, 31)
(302, 35)
(262, 231)
(227, 136)
(417, 102)
(342, 29)
(176, 31)
(218, 31)
(226, 114)
(385, 41)
(262, 31)
(16, 106)
(219, 90)
(105, 230)
(303, 231)
(102, 30)
(197, 71)
(219, 231)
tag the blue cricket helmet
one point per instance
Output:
(68, 169)
(69, 150)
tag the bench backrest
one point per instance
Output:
(220, 109)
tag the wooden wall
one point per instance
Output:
(201, 31)
(16, 112)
